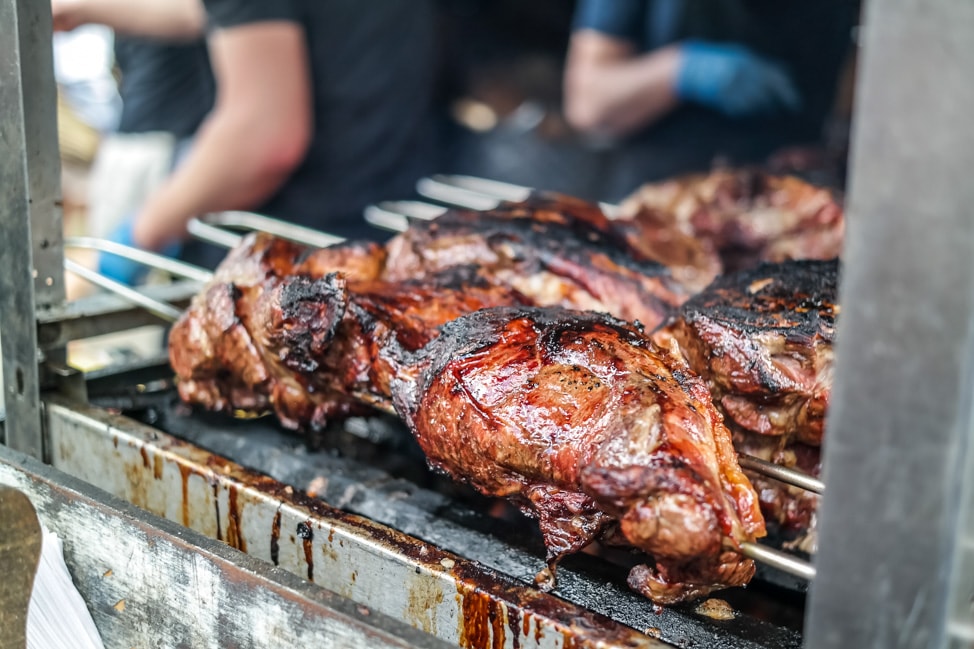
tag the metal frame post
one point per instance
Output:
(31, 250)
(901, 419)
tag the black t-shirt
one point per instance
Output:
(809, 37)
(164, 87)
(372, 68)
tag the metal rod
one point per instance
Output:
(484, 186)
(165, 311)
(781, 473)
(256, 222)
(212, 234)
(105, 313)
(481, 193)
(386, 219)
(414, 209)
(395, 215)
(778, 559)
(154, 260)
(439, 190)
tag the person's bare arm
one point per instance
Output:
(257, 134)
(610, 90)
(174, 19)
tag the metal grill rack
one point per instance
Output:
(896, 560)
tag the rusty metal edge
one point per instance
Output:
(65, 504)
(456, 599)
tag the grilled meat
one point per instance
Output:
(763, 340)
(658, 234)
(746, 215)
(585, 424)
(550, 251)
(556, 251)
(213, 349)
(306, 345)
(791, 512)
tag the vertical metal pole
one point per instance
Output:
(900, 422)
(31, 251)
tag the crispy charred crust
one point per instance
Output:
(573, 238)
(763, 340)
(796, 299)
(576, 257)
(310, 311)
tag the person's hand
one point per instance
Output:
(733, 80)
(67, 14)
(125, 270)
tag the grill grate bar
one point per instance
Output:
(778, 559)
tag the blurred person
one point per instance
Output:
(671, 86)
(166, 90)
(321, 108)
(83, 72)
(88, 107)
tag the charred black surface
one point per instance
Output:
(311, 310)
(796, 298)
(569, 238)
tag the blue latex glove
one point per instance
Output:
(734, 80)
(124, 270)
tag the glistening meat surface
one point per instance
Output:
(586, 425)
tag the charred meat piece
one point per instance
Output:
(256, 349)
(402, 316)
(308, 348)
(557, 252)
(212, 348)
(585, 424)
(747, 216)
(763, 341)
(271, 333)
(548, 251)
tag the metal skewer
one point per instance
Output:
(480, 193)
(395, 215)
(276, 227)
(163, 310)
(782, 473)
(778, 559)
(151, 259)
(211, 234)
